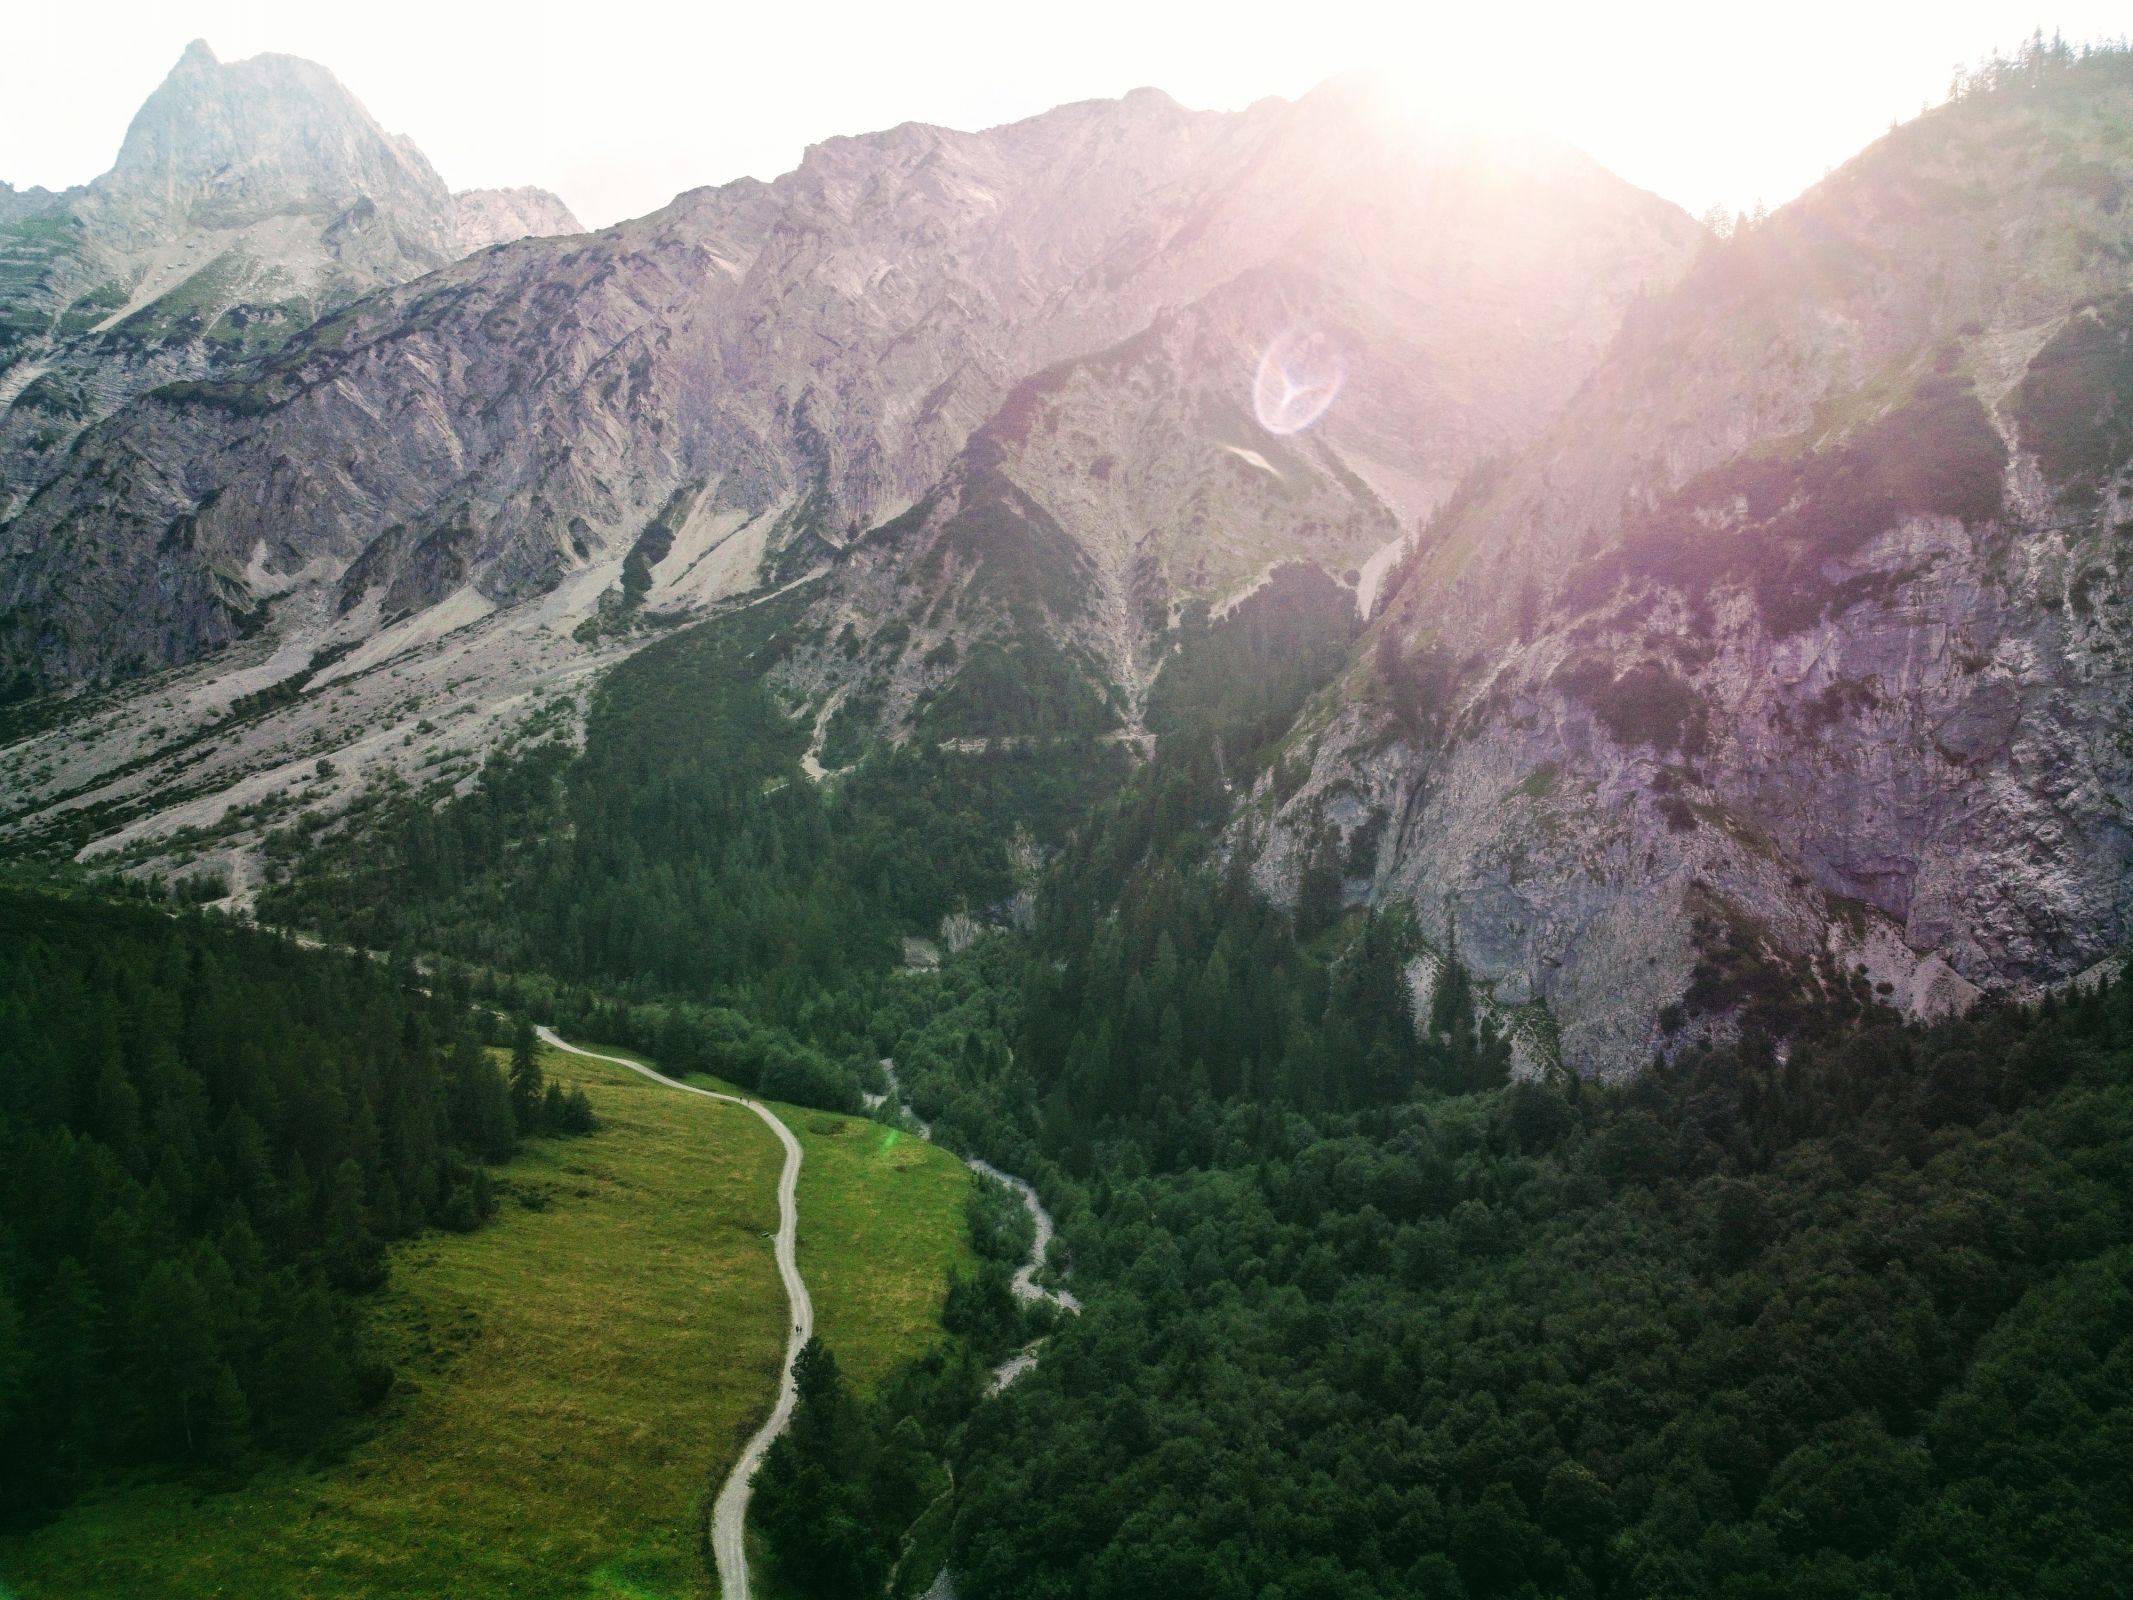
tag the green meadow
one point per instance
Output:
(574, 1379)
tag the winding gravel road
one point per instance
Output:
(729, 1513)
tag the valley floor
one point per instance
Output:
(577, 1376)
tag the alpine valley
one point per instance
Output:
(1402, 727)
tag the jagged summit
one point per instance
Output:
(806, 359)
(248, 198)
(222, 144)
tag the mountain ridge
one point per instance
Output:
(1731, 641)
(248, 199)
(707, 262)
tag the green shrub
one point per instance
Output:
(1647, 704)
(2074, 405)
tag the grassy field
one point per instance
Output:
(881, 1222)
(577, 1376)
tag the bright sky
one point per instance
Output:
(617, 106)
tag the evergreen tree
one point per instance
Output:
(526, 1082)
(355, 1260)
(174, 1345)
(812, 1494)
(578, 1112)
(226, 1419)
(1318, 894)
(305, 1373)
(481, 1114)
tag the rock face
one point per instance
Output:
(248, 199)
(801, 361)
(222, 145)
(482, 217)
(1794, 655)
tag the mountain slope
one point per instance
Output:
(575, 436)
(817, 351)
(248, 199)
(1795, 653)
(1454, 293)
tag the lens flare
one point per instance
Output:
(1299, 377)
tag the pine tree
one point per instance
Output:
(355, 1261)
(525, 1076)
(578, 1113)
(811, 1492)
(1318, 894)
(481, 1115)
(16, 1375)
(305, 1375)
(174, 1346)
(226, 1419)
(1451, 1007)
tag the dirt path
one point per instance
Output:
(729, 1513)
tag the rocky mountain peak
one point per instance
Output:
(482, 217)
(222, 144)
(248, 199)
(1790, 658)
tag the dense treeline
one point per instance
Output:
(836, 1490)
(1860, 1323)
(207, 1138)
(1169, 986)
(841, 1495)
(1857, 1322)
(1196, 992)
(1241, 680)
(684, 1038)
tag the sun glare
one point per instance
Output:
(1652, 103)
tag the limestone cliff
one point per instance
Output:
(1793, 657)
(248, 199)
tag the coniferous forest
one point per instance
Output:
(1855, 1323)
(208, 1137)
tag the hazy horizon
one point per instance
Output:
(619, 120)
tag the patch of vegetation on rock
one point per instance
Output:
(2074, 405)
(1775, 523)
(1646, 704)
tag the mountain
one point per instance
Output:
(482, 217)
(248, 199)
(1746, 617)
(584, 434)
(1794, 655)
(1470, 782)
(803, 360)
